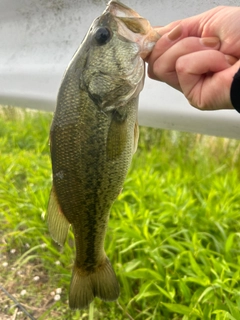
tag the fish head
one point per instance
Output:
(134, 27)
(114, 49)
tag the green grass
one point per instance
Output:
(173, 237)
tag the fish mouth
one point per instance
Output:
(133, 27)
(120, 10)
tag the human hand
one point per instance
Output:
(199, 56)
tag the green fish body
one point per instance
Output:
(93, 136)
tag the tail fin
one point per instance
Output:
(85, 286)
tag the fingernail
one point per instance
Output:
(175, 33)
(230, 59)
(210, 41)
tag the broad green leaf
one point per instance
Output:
(224, 315)
(178, 308)
(206, 291)
(229, 242)
(131, 265)
(144, 274)
(185, 290)
(133, 245)
(201, 281)
(196, 268)
(164, 292)
(234, 310)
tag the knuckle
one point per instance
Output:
(197, 103)
(160, 71)
(181, 67)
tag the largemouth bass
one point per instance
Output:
(93, 136)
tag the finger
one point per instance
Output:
(196, 25)
(165, 29)
(164, 43)
(172, 33)
(163, 68)
(231, 60)
(204, 78)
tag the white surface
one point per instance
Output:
(39, 37)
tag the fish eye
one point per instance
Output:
(103, 35)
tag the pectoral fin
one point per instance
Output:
(58, 225)
(136, 136)
(117, 136)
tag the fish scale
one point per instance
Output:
(93, 136)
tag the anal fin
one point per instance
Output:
(58, 225)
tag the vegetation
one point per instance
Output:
(173, 238)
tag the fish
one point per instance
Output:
(93, 136)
